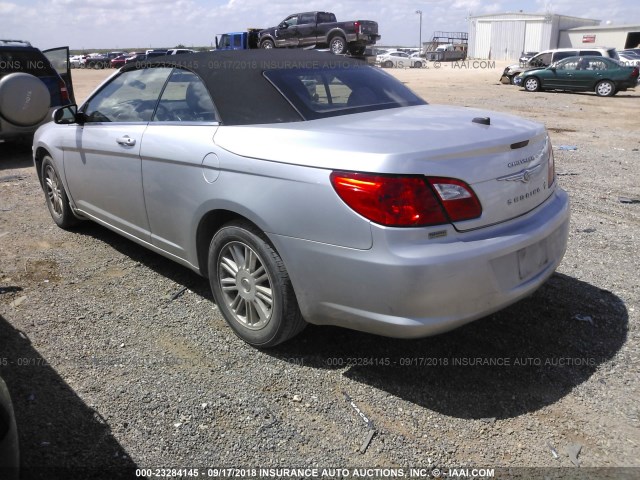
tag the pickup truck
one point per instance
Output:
(321, 30)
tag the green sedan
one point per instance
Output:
(603, 75)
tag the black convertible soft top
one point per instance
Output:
(237, 85)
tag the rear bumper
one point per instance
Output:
(407, 286)
(9, 131)
(632, 83)
(363, 38)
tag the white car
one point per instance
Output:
(76, 61)
(400, 60)
(417, 60)
(179, 51)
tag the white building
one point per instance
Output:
(619, 37)
(505, 36)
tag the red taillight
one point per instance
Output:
(406, 201)
(64, 93)
(635, 72)
(458, 199)
(356, 25)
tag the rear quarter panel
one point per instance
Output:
(287, 200)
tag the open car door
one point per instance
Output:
(59, 59)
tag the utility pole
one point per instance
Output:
(419, 12)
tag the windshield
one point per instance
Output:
(326, 92)
(541, 60)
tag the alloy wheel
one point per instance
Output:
(54, 191)
(246, 285)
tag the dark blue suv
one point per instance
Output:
(33, 83)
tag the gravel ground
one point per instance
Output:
(113, 367)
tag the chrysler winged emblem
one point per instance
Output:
(522, 176)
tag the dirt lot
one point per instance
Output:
(111, 369)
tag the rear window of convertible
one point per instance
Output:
(328, 92)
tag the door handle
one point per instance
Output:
(126, 141)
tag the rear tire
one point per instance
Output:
(251, 286)
(357, 50)
(56, 196)
(605, 88)
(338, 45)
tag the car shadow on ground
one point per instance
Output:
(518, 360)
(161, 265)
(15, 155)
(627, 94)
(515, 361)
(60, 436)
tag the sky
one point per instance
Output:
(122, 24)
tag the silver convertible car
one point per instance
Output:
(311, 188)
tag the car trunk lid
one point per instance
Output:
(515, 180)
(502, 157)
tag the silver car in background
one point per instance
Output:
(310, 188)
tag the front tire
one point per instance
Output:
(417, 64)
(338, 45)
(387, 64)
(605, 88)
(251, 286)
(56, 196)
(532, 84)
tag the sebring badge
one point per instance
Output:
(522, 176)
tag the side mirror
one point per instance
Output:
(552, 68)
(283, 25)
(67, 115)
